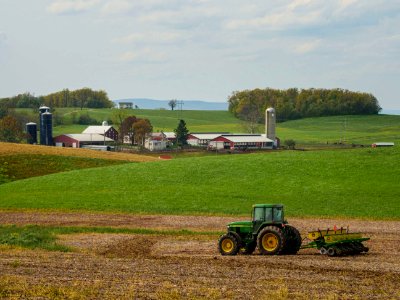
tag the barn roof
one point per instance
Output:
(97, 129)
(82, 137)
(206, 136)
(170, 135)
(242, 138)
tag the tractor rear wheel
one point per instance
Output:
(293, 240)
(228, 245)
(271, 240)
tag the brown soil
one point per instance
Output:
(10, 149)
(190, 267)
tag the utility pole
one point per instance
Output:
(180, 104)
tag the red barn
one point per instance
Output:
(242, 141)
(80, 140)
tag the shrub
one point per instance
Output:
(290, 143)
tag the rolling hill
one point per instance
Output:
(359, 183)
(19, 161)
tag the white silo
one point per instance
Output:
(270, 120)
(105, 123)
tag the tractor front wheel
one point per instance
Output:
(271, 240)
(228, 245)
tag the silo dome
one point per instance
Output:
(105, 123)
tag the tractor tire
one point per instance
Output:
(228, 245)
(248, 249)
(293, 240)
(271, 241)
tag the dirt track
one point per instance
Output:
(173, 267)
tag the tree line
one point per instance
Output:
(81, 98)
(293, 103)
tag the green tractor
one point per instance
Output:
(268, 230)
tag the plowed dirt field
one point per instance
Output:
(118, 266)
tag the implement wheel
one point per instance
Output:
(228, 245)
(331, 251)
(271, 240)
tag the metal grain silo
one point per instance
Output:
(270, 123)
(43, 109)
(31, 130)
(46, 130)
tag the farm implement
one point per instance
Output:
(272, 235)
(336, 242)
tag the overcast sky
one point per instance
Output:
(199, 49)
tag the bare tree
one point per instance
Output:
(172, 103)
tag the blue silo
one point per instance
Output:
(46, 132)
(31, 130)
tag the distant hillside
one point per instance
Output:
(144, 103)
(390, 112)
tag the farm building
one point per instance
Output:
(80, 140)
(203, 139)
(170, 136)
(157, 141)
(105, 130)
(125, 105)
(155, 145)
(241, 141)
(156, 136)
(382, 144)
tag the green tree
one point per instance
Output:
(250, 105)
(181, 133)
(291, 144)
(11, 130)
(3, 110)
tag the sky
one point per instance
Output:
(199, 49)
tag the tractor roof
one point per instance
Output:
(268, 205)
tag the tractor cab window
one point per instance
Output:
(268, 214)
(258, 214)
(278, 214)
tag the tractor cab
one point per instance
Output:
(267, 214)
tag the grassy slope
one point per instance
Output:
(353, 129)
(352, 183)
(165, 120)
(23, 166)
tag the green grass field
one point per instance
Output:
(360, 183)
(349, 129)
(165, 120)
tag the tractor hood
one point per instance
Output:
(241, 224)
